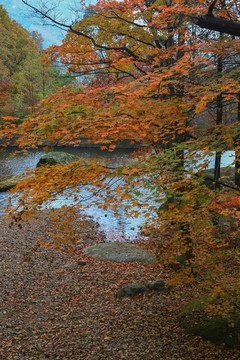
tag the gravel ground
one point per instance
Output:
(56, 305)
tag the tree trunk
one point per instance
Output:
(217, 167)
(237, 151)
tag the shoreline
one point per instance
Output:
(84, 143)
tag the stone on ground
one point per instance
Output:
(140, 287)
(120, 252)
(131, 290)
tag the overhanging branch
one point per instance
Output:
(216, 23)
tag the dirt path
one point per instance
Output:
(53, 306)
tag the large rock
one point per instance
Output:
(195, 320)
(121, 252)
(140, 287)
(56, 157)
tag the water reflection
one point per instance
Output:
(13, 164)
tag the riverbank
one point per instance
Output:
(82, 142)
(56, 305)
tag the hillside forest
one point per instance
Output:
(24, 78)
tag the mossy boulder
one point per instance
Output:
(120, 252)
(57, 157)
(195, 320)
(9, 182)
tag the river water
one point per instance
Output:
(116, 228)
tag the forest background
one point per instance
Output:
(25, 80)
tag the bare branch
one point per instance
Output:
(125, 20)
(74, 31)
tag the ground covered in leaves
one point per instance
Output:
(56, 305)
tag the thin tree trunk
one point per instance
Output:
(217, 167)
(237, 151)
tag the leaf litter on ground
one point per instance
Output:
(56, 305)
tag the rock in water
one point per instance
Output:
(57, 157)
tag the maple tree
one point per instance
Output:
(154, 78)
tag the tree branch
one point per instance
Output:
(211, 7)
(121, 18)
(216, 23)
(70, 28)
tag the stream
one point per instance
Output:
(115, 228)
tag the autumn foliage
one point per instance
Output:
(172, 89)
